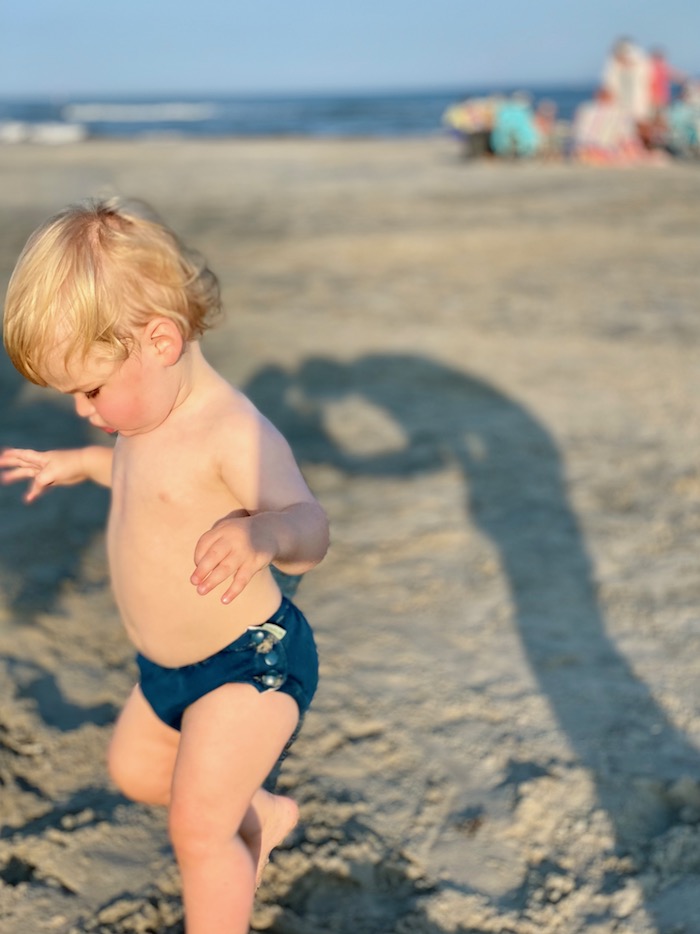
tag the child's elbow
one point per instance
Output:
(311, 543)
(322, 538)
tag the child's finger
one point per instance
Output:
(201, 548)
(9, 459)
(21, 457)
(18, 473)
(213, 569)
(37, 488)
(216, 577)
(210, 552)
(240, 582)
(204, 568)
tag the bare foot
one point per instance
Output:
(269, 820)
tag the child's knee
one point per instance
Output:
(196, 831)
(134, 781)
(192, 835)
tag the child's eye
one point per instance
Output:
(93, 393)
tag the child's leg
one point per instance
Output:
(142, 752)
(231, 739)
(141, 762)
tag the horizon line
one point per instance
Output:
(459, 87)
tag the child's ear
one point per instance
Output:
(165, 340)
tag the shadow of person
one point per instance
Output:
(515, 492)
(44, 544)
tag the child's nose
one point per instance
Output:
(83, 406)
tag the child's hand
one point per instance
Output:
(43, 468)
(236, 547)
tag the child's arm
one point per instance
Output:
(284, 525)
(55, 468)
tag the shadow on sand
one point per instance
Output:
(515, 492)
(42, 545)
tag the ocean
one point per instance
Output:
(403, 114)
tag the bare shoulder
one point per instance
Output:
(253, 457)
(236, 420)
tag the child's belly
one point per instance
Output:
(165, 617)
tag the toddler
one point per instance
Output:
(106, 304)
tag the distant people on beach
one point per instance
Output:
(507, 126)
(683, 122)
(605, 133)
(662, 77)
(632, 117)
(553, 132)
(471, 121)
(514, 131)
(626, 78)
(641, 85)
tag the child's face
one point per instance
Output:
(131, 396)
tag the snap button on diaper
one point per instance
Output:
(266, 640)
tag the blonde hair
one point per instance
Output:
(92, 275)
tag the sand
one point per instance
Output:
(489, 374)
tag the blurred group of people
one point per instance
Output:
(632, 118)
(507, 126)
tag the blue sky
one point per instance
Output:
(141, 46)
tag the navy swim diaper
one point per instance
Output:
(278, 655)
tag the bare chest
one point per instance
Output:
(174, 494)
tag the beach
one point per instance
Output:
(489, 374)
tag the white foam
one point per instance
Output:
(53, 134)
(139, 113)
